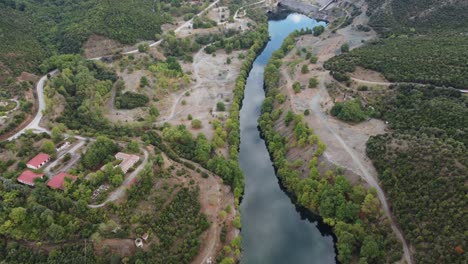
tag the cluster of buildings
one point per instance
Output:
(28, 177)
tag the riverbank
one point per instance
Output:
(350, 209)
(273, 229)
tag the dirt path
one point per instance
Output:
(342, 140)
(362, 165)
(198, 81)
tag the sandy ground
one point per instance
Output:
(355, 136)
(368, 75)
(214, 82)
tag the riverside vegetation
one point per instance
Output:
(355, 213)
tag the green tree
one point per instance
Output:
(18, 215)
(56, 232)
(220, 107)
(345, 48)
(197, 124)
(297, 87)
(57, 135)
(48, 147)
(318, 30)
(153, 111)
(370, 249)
(133, 146)
(144, 81)
(313, 82)
(305, 69)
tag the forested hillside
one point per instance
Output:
(423, 168)
(32, 30)
(422, 163)
(409, 16)
(422, 42)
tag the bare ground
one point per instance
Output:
(345, 143)
(214, 82)
(97, 46)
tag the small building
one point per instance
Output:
(28, 177)
(37, 162)
(63, 146)
(128, 160)
(57, 181)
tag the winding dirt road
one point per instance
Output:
(196, 68)
(363, 171)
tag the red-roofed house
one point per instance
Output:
(38, 161)
(57, 181)
(28, 177)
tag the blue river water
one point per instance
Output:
(274, 231)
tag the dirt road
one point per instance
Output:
(330, 130)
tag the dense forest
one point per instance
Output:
(434, 59)
(354, 213)
(33, 30)
(422, 42)
(410, 16)
(423, 168)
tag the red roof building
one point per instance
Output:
(28, 177)
(57, 181)
(38, 161)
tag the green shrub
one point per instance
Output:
(350, 111)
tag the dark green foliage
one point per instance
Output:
(351, 111)
(344, 48)
(425, 16)
(178, 227)
(437, 60)
(423, 165)
(220, 107)
(130, 100)
(99, 152)
(296, 87)
(313, 82)
(318, 30)
(412, 108)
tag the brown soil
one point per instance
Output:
(368, 75)
(119, 247)
(29, 77)
(97, 46)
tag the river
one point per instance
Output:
(274, 231)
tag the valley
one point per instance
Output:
(233, 131)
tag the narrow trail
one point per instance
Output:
(196, 67)
(363, 172)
